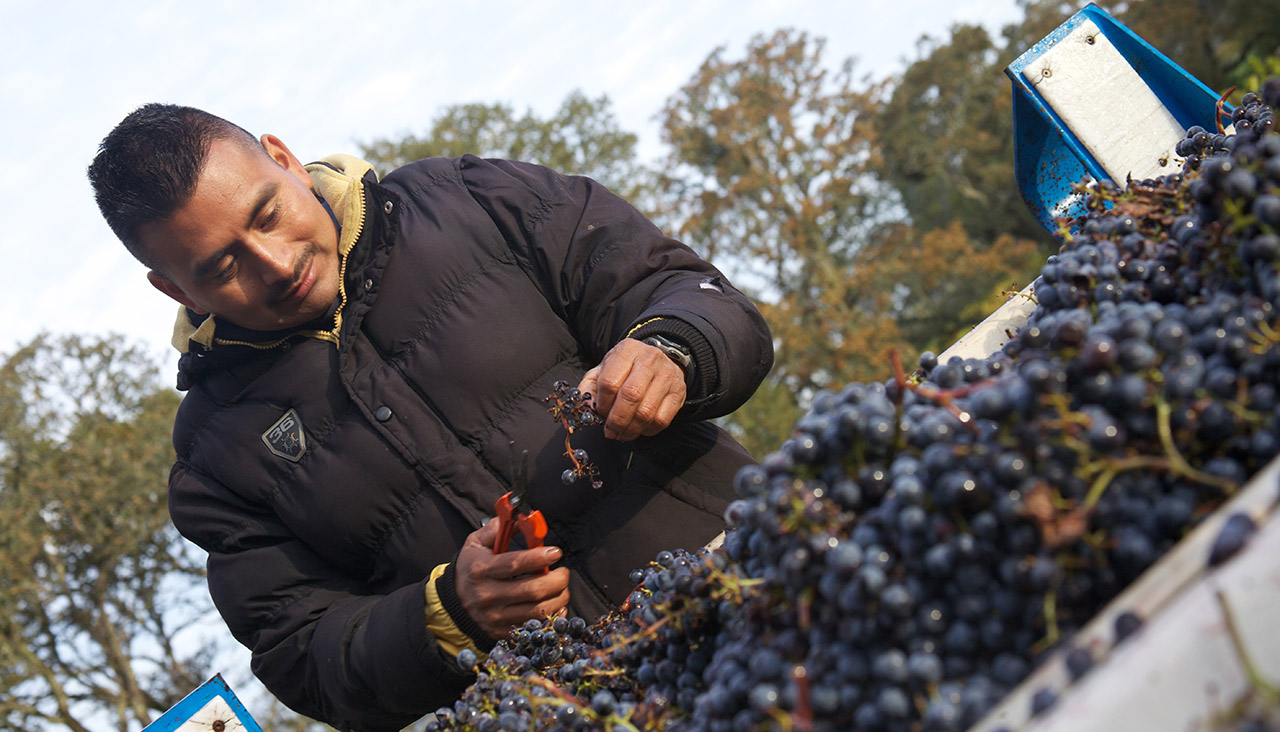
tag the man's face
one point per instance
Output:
(252, 245)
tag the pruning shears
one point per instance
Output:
(513, 511)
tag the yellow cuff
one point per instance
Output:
(441, 625)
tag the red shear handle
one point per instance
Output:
(506, 523)
(534, 528)
(532, 525)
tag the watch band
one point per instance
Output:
(674, 351)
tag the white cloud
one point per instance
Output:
(325, 75)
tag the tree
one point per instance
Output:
(582, 138)
(1213, 41)
(947, 128)
(946, 281)
(775, 174)
(96, 587)
(769, 174)
(946, 137)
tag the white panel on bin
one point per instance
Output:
(996, 330)
(1107, 106)
(217, 710)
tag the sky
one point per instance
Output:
(325, 76)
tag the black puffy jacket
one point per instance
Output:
(469, 288)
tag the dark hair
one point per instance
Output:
(147, 167)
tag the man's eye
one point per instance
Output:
(270, 218)
(227, 272)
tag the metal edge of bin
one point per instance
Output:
(1172, 576)
(1164, 596)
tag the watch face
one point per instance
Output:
(674, 351)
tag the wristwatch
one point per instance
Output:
(676, 352)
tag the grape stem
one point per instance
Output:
(613, 721)
(1172, 460)
(803, 717)
(1179, 463)
(1263, 686)
(568, 448)
(1051, 631)
(1222, 101)
(1264, 338)
(1015, 292)
(1114, 466)
(942, 397)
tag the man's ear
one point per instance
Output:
(280, 153)
(171, 288)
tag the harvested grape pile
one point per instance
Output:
(920, 545)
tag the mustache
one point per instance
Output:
(281, 292)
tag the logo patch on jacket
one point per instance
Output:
(286, 437)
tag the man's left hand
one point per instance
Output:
(636, 388)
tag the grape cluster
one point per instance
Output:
(572, 408)
(1255, 114)
(637, 668)
(920, 545)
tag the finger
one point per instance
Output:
(588, 384)
(516, 613)
(541, 588)
(631, 403)
(611, 374)
(514, 599)
(511, 564)
(485, 535)
(661, 401)
(663, 397)
(667, 412)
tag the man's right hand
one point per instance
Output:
(500, 591)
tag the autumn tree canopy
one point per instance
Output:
(862, 214)
(95, 584)
(581, 138)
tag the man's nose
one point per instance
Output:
(275, 258)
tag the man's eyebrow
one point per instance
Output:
(264, 197)
(210, 264)
(206, 268)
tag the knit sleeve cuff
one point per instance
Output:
(706, 373)
(450, 638)
(447, 591)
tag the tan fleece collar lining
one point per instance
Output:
(342, 190)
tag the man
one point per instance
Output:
(362, 359)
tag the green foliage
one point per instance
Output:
(1212, 41)
(766, 419)
(582, 138)
(769, 175)
(1250, 75)
(95, 584)
(946, 137)
(778, 171)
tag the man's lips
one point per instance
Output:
(298, 293)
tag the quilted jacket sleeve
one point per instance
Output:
(310, 628)
(609, 271)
